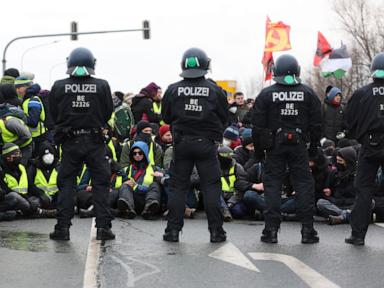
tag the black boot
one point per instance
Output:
(171, 235)
(60, 233)
(357, 241)
(104, 234)
(51, 213)
(218, 235)
(269, 235)
(335, 220)
(150, 209)
(309, 235)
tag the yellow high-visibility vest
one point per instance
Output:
(20, 186)
(225, 187)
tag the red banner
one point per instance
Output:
(277, 36)
(323, 49)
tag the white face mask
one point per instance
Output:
(226, 142)
(48, 158)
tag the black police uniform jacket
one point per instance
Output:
(365, 111)
(287, 107)
(196, 107)
(80, 103)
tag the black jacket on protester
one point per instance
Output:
(195, 107)
(333, 120)
(143, 104)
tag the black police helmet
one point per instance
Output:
(377, 66)
(195, 63)
(81, 62)
(286, 70)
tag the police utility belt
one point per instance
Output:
(83, 132)
(290, 136)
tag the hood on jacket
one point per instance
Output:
(8, 91)
(143, 147)
(33, 90)
(349, 155)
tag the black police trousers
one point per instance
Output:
(76, 151)
(370, 159)
(190, 151)
(295, 158)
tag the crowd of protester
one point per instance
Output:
(140, 152)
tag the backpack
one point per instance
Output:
(10, 110)
(123, 121)
(44, 98)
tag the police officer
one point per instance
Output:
(197, 110)
(287, 116)
(365, 118)
(81, 107)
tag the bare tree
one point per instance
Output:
(363, 25)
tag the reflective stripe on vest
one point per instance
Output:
(118, 182)
(8, 136)
(50, 187)
(82, 174)
(39, 129)
(232, 178)
(20, 187)
(148, 178)
(113, 150)
(157, 110)
(151, 155)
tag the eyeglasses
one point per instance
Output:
(137, 153)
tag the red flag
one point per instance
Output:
(277, 36)
(267, 63)
(323, 49)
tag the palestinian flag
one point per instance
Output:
(337, 64)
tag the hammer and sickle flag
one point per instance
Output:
(277, 36)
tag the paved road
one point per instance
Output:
(139, 258)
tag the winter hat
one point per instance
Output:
(22, 82)
(348, 154)
(329, 87)
(150, 90)
(343, 143)
(231, 133)
(13, 72)
(163, 129)
(28, 75)
(246, 136)
(142, 125)
(327, 143)
(119, 95)
(8, 148)
(333, 92)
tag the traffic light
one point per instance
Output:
(74, 30)
(146, 30)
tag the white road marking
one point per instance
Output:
(380, 224)
(92, 262)
(306, 273)
(130, 276)
(231, 254)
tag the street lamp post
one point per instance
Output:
(145, 29)
(32, 48)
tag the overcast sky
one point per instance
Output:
(231, 32)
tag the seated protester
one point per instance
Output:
(9, 95)
(42, 180)
(143, 133)
(339, 195)
(320, 169)
(233, 185)
(255, 201)
(117, 196)
(15, 182)
(14, 130)
(143, 195)
(164, 137)
(244, 154)
(231, 137)
(329, 148)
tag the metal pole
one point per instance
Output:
(63, 34)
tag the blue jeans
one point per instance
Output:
(255, 201)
